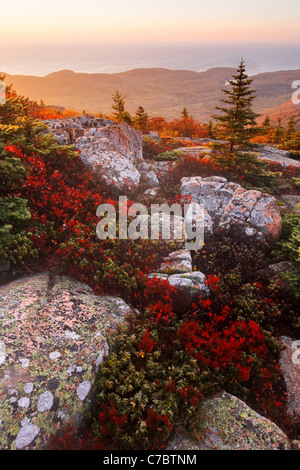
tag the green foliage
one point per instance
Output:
(247, 168)
(289, 247)
(118, 105)
(21, 134)
(296, 182)
(237, 123)
(184, 113)
(143, 377)
(14, 212)
(16, 248)
(141, 120)
(284, 137)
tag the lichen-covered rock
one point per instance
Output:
(151, 179)
(227, 423)
(281, 270)
(159, 168)
(290, 369)
(53, 336)
(178, 262)
(291, 202)
(190, 285)
(253, 210)
(115, 149)
(229, 205)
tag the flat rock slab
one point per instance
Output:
(229, 424)
(282, 157)
(52, 341)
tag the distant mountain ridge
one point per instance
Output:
(161, 92)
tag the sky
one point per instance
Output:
(149, 20)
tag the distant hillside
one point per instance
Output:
(160, 91)
(283, 112)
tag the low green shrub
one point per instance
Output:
(170, 156)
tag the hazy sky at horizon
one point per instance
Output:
(158, 20)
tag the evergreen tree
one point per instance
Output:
(278, 131)
(141, 119)
(210, 130)
(118, 105)
(20, 134)
(266, 125)
(291, 128)
(291, 138)
(184, 113)
(120, 114)
(237, 123)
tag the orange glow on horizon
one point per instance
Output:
(162, 20)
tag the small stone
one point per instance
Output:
(54, 355)
(28, 387)
(61, 415)
(70, 370)
(83, 389)
(12, 400)
(25, 363)
(250, 232)
(101, 355)
(71, 335)
(2, 353)
(24, 402)
(45, 402)
(26, 435)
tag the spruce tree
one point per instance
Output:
(118, 105)
(237, 123)
(141, 119)
(266, 125)
(184, 113)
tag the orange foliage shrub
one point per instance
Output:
(45, 113)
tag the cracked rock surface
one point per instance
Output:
(227, 423)
(228, 205)
(52, 341)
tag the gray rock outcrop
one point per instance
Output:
(228, 205)
(53, 336)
